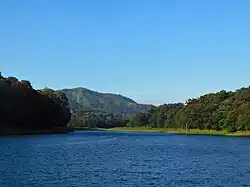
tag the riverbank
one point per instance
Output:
(87, 129)
(17, 132)
(182, 131)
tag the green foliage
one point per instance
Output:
(217, 111)
(22, 107)
(91, 119)
(140, 119)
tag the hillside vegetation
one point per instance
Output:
(82, 99)
(24, 108)
(223, 110)
(91, 119)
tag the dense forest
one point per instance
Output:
(24, 108)
(94, 119)
(219, 111)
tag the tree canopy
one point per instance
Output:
(221, 110)
(94, 119)
(22, 107)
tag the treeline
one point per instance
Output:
(224, 110)
(96, 119)
(219, 111)
(24, 108)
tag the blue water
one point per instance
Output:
(98, 158)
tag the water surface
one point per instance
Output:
(97, 158)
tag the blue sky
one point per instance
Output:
(152, 51)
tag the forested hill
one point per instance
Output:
(82, 99)
(219, 111)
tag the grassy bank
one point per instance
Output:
(88, 129)
(181, 131)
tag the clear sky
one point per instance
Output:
(154, 51)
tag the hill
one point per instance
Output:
(82, 99)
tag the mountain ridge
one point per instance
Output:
(82, 99)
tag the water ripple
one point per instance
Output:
(124, 159)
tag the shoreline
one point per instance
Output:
(66, 130)
(182, 131)
(36, 132)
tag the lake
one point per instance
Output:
(100, 158)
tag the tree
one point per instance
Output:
(23, 107)
(221, 110)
